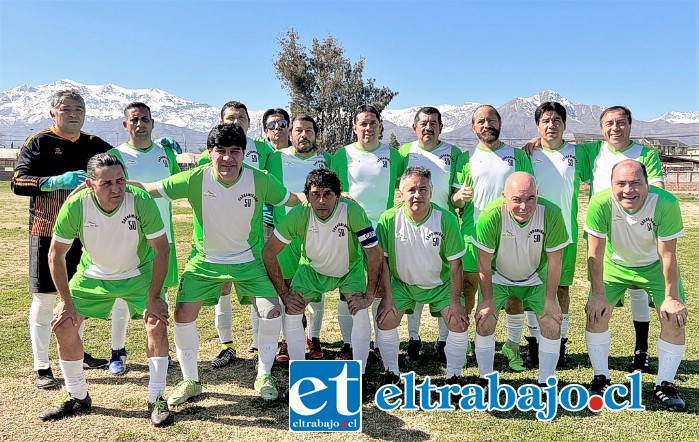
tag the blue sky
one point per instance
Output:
(635, 52)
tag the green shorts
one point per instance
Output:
(289, 258)
(94, 298)
(532, 297)
(405, 296)
(201, 281)
(470, 258)
(650, 278)
(313, 284)
(570, 254)
(172, 271)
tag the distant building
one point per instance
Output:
(188, 160)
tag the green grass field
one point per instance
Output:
(230, 409)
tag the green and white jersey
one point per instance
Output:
(256, 154)
(331, 247)
(558, 174)
(632, 238)
(369, 176)
(227, 218)
(519, 251)
(148, 166)
(486, 171)
(441, 161)
(602, 159)
(419, 254)
(115, 245)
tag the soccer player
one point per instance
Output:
(52, 163)
(441, 159)
(125, 255)
(480, 179)
(144, 160)
(423, 246)
(226, 197)
(520, 239)
(632, 240)
(332, 231)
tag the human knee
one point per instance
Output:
(267, 308)
(549, 328)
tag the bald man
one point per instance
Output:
(520, 239)
(632, 240)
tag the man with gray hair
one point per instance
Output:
(51, 163)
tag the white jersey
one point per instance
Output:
(295, 169)
(606, 159)
(441, 162)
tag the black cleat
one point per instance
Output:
(599, 385)
(68, 407)
(532, 358)
(345, 353)
(90, 362)
(640, 362)
(390, 377)
(667, 394)
(44, 379)
(439, 347)
(562, 357)
(160, 414)
(414, 347)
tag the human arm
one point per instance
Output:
(293, 301)
(457, 312)
(462, 195)
(597, 304)
(672, 307)
(553, 277)
(156, 305)
(486, 307)
(387, 307)
(375, 261)
(65, 310)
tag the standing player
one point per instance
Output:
(52, 163)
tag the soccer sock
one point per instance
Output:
(187, 345)
(533, 325)
(565, 325)
(485, 353)
(669, 358)
(74, 377)
(443, 329)
(267, 337)
(81, 329)
(598, 350)
(345, 321)
(40, 314)
(457, 345)
(120, 320)
(548, 357)
(223, 319)
(414, 322)
(640, 313)
(295, 337)
(515, 324)
(374, 309)
(316, 319)
(361, 333)
(157, 366)
(255, 321)
(389, 342)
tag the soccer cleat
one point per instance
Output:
(514, 359)
(117, 365)
(414, 347)
(667, 394)
(454, 380)
(640, 362)
(170, 362)
(367, 391)
(532, 358)
(90, 362)
(68, 407)
(184, 391)
(483, 382)
(345, 353)
(390, 377)
(562, 357)
(377, 357)
(256, 360)
(283, 354)
(266, 385)
(225, 357)
(314, 350)
(599, 385)
(439, 347)
(44, 379)
(159, 412)
(252, 348)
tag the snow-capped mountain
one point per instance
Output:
(679, 117)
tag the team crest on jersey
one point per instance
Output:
(319, 164)
(435, 238)
(446, 158)
(570, 159)
(247, 199)
(163, 159)
(648, 223)
(385, 162)
(341, 229)
(510, 160)
(130, 220)
(536, 234)
(254, 157)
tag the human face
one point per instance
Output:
(416, 193)
(521, 199)
(303, 137)
(69, 117)
(227, 162)
(551, 128)
(278, 134)
(237, 116)
(108, 186)
(428, 129)
(486, 125)
(323, 201)
(616, 129)
(629, 187)
(139, 125)
(367, 128)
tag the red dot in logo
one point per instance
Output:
(344, 424)
(596, 403)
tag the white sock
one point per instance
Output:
(414, 322)
(457, 345)
(223, 319)
(515, 324)
(295, 337)
(361, 333)
(157, 366)
(669, 358)
(255, 321)
(345, 321)
(316, 318)
(443, 329)
(40, 314)
(389, 342)
(565, 325)
(640, 310)
(187, 345)
(74, 377)
(120, 320)
(485, 353)
(548, 357)
(81, 329)
(533, 325)
(374, 309)
(598, 350)
(267, 337)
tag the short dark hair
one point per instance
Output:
(102, 160)
(226, 135)
(429, 110)
(234, 105)
(269, 112)
(488, 106)
(616, 108)
(419, 171)
(550, 106)
(137, 104)
(305, 117)
(322, 178)
(643, 168)
(366, 108)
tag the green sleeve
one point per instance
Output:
(177, 186)
(69, 219)
(328, 158)
(650, 159)
(382, 229)
(669, 218)
(172, 161)
(599, 213)
(264, 150)
(339, 165)
(489, 225)
(274, 165)
(398, 165)
(204, 158)
(274, 192)
(453, 243)
(462, 172)
(404, 150)
(583, 163)
(117, 154)
(147, 211)
(554, 227)
(287, 227)
(522, 162)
